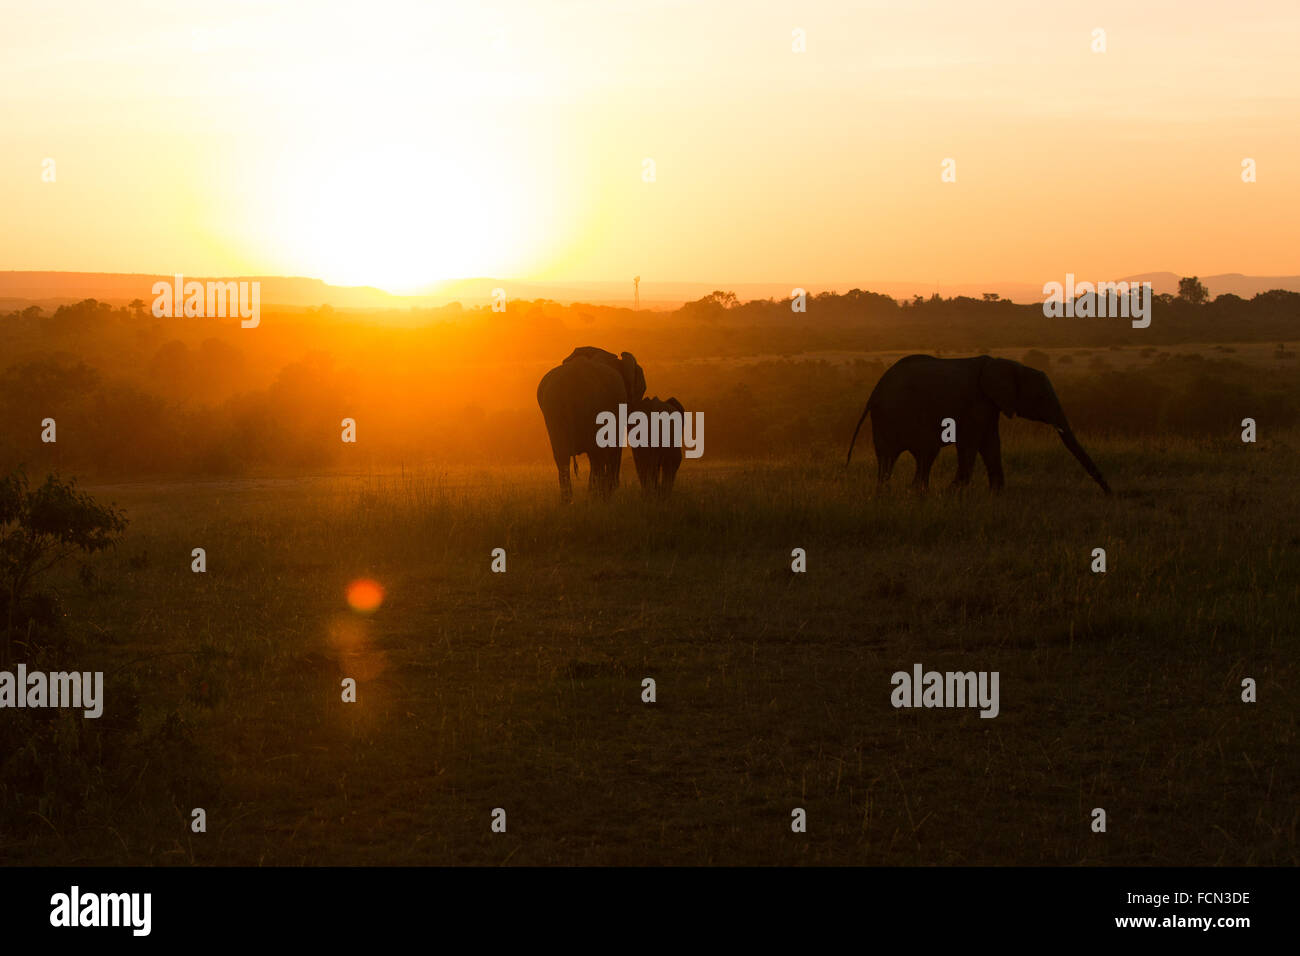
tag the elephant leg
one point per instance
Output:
(885, 467)
(561, 449)
(924, 462)
(966, 452)
(606, 479)
(642, 470)
(991, 452)
(887, 452)
(566, 486)
(670, 474)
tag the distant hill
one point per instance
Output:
(1229, 282)
(50, 289)
(64, 287)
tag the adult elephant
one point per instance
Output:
(915, 395)
(571, 395)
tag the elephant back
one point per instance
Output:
(625, 365)
(571, 395)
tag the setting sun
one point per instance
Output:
(422, 141)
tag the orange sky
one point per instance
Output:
(396, 143)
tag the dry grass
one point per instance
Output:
(522, 690)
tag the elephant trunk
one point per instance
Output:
(1067, 437)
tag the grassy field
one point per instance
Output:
(523, 690)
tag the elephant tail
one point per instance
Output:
(575, 466)
(854, 440)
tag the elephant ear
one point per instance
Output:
(633, 377)
(998, 381)
(676, 405)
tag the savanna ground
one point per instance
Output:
(523, 690)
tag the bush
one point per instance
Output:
(1036, 358)
(40, 528)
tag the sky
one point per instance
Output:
(396, 143)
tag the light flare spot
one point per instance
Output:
(365, 596)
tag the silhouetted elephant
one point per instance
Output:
(571, 395)
(915, 395)
(657, 467)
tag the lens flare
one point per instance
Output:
(365, 595)
(351, 643)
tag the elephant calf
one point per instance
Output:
(657, 467)
(914, 396)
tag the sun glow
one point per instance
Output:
(394, 220)
(399, 142)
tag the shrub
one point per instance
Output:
(1036, 358)
(40, 528)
